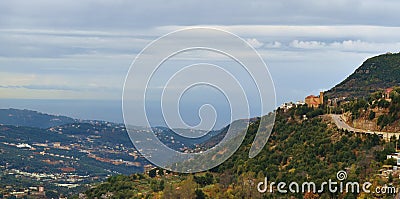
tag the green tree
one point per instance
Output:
(169, 191)
(371, 115)
(200, 194)
(153, 173)
(390, 161)
(187, 188)
(51, 194)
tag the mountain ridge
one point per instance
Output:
(374, 74)
(30, 118)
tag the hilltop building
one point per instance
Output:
(314, 101)
(395, 156)
(386, 95)
(288, 105)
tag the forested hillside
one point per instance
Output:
(298, 151)
(17, 117)
(376, 73)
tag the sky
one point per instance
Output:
(82, 50)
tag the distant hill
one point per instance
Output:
(376, 73)
(34, 119)
(30, 118)
(33, 142)
(175, 141)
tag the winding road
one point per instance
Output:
(341, 124)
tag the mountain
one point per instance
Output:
(34, 119)
(30, 118)
(376, 73)
(178, 142)
(69, 154)
(300, 149)
(312, 150)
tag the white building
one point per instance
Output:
(395, 156)
(23, 145)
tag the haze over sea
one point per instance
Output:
(106, 110)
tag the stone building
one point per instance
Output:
(314, 101)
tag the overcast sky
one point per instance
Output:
(83, 49)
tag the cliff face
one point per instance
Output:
(375, 74)
(365, 123)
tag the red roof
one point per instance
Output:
(389, 90)
(67, 169)
(311, 96)
(314, 102)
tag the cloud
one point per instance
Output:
(358, 45)
(347, 45)
(56, 44)
(307, 44)
(275, 44)
(65, 43)
(41, 87)
(254, 42)
(79, 58)
(35, 85)
(83, 49)
(125, 14)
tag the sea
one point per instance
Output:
(106, 110)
